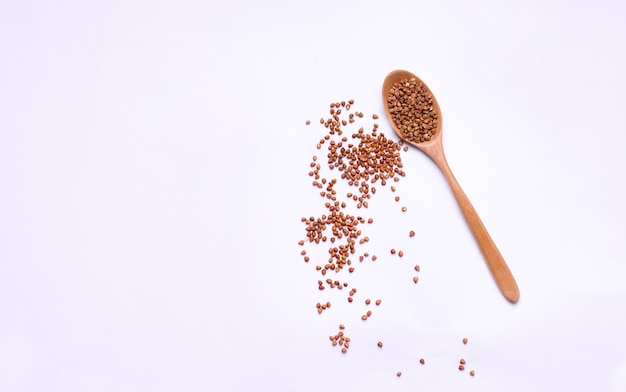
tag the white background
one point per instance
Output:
(153, 172)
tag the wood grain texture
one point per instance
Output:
(434, 149)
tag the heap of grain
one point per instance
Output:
(367, 158)
(362, 160)
(413, 111)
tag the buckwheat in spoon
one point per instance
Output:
(415, 116)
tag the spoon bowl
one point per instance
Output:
(429, 140)
(395, 77)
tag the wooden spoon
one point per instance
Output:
(434, 149)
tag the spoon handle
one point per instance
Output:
(500, 271)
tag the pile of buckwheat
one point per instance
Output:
(361, 159)
(411, 106)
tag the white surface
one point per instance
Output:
(153, 160)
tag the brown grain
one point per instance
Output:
(412, 110)
(369, 157)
